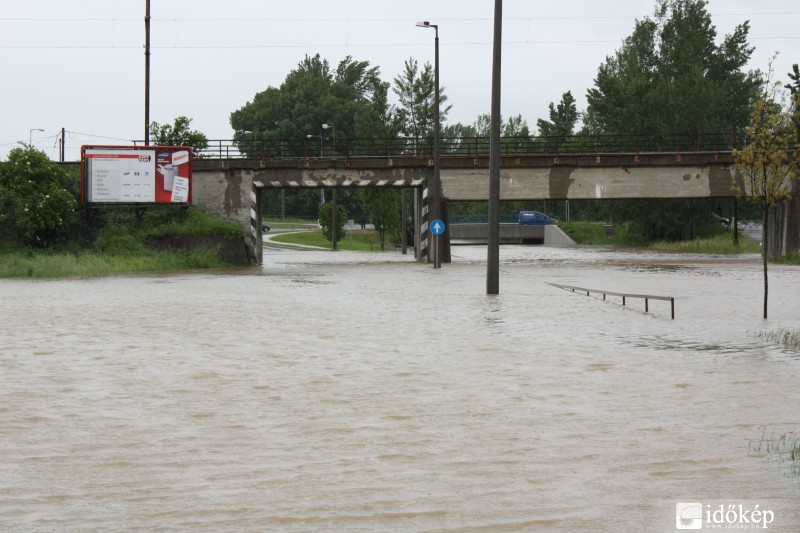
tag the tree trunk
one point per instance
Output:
(765, 254)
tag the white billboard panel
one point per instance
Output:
(133, 175)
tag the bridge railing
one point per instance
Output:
(463, 146)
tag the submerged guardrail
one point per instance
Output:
(623, 295)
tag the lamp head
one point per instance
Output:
(423, 24)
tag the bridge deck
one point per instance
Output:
(523, 177)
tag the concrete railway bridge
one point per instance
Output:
(230, 185)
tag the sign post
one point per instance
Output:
(437, 228)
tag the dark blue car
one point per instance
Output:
(530, 218)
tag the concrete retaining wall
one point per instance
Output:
(549, 235)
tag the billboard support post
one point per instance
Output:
(147, 74)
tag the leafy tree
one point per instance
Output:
(292, 202)
(794, 90)
(558, 134)
(416, 91)
(767, 165)
(792, 229)
(326, 220)
(670, 77)
(36, 207)
(352, 98)
(462, 138)
(178, 134)
(474, 138)
(562, 118)
(383, 205)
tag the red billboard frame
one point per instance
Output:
(136, 175)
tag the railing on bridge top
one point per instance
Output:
(262, 149)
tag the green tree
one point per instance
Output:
(383, 205)
(326, 220)
(768, 164)
(563, 118)
(474, 138)
(178, 134)
(416, 92)
(792, 228)
(36, 205)
(671, 77)
(288, 120)
(794, 90)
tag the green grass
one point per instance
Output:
(788, 338)
(359, 240)
(779, 448)
(721, 243)
(65, 265)
(788, 259)
(718, 244)
(594, 234)
(290, 221)
(121, 246)
(587, 233)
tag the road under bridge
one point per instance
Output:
(232, 187)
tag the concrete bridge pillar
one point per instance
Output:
(423, 252)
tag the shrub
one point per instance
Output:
(36, 207)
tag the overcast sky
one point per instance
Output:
(80, 64)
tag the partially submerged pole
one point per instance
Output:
(493, 259)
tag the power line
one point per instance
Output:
(359, 20)
(95, 136)
(329, 45)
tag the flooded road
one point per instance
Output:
(365, 392)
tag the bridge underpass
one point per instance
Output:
(232, 188)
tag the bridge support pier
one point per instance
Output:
(256, 235)
(424, 230)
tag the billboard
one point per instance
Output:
(136, 175)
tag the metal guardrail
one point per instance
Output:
(646, 297)
(266, 149)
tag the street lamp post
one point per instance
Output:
(333, 127)
(322, 191)
(437, 186)
(30, 135)
(334, 207)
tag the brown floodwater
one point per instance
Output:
(366, 392)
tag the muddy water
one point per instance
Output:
(353, 392)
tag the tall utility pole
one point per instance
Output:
(493, 259)
(437, 156)
(147, 73)
(436, 200)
